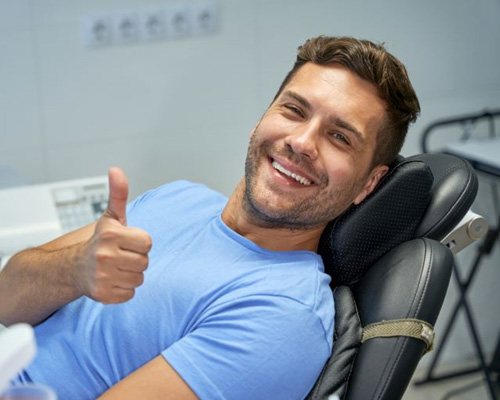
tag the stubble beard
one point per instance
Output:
(308, 213)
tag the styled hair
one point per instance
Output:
(375, 64)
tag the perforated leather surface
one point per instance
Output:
(364, 233)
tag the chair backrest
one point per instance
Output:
(387, 264)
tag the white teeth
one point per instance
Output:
(298, 178)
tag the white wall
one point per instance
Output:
(183, 109)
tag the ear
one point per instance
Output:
(371, 183)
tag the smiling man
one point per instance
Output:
(311, 154)
(185, 294)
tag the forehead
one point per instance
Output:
(335, 85)
(336, 80)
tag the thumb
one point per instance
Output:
(118, 194)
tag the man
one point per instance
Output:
(234, 303)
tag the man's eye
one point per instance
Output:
(340, 137)
(294, 109)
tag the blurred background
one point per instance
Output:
(171, 89)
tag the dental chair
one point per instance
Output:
(390, 259)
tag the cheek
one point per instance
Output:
(339, 168)
(344, 181)
(273, 126)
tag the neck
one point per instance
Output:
(236, 217)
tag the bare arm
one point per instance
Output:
(104, 261)
(36, 282)
(154, 380)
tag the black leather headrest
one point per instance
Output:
(453, 192)
(389, 216)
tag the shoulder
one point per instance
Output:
(177, 190)
(174, 204)
(179, 194)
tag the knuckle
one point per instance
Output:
(138, 263)
(102, 255)
(108, 234)
(144, 239)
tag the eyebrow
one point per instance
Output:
(337, 121)
(303, 102)
(341, 123)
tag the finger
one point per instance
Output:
(128, 279)
(118, 195)
(131, 261)
(122, 287)
(135, 239)
(117, 295)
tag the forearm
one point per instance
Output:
(104, 261)
(36, 282)
(154, 380)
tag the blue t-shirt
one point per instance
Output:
(236, 321)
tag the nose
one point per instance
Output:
(304, 140)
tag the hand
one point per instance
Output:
(115, 257)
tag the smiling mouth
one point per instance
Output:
(302, 180)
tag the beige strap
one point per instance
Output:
(410, 327)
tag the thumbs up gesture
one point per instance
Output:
(116, 255)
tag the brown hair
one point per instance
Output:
(375, 64)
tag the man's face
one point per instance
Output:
(310, 156)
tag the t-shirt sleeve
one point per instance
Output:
(258, 347)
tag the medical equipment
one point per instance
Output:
(32, 215)
(471, 228)
(482, 153)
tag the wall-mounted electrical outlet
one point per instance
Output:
(173, 21)
(152, 25)
(205, 17)
(125, 27)
(179, 21)
(97, 31)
